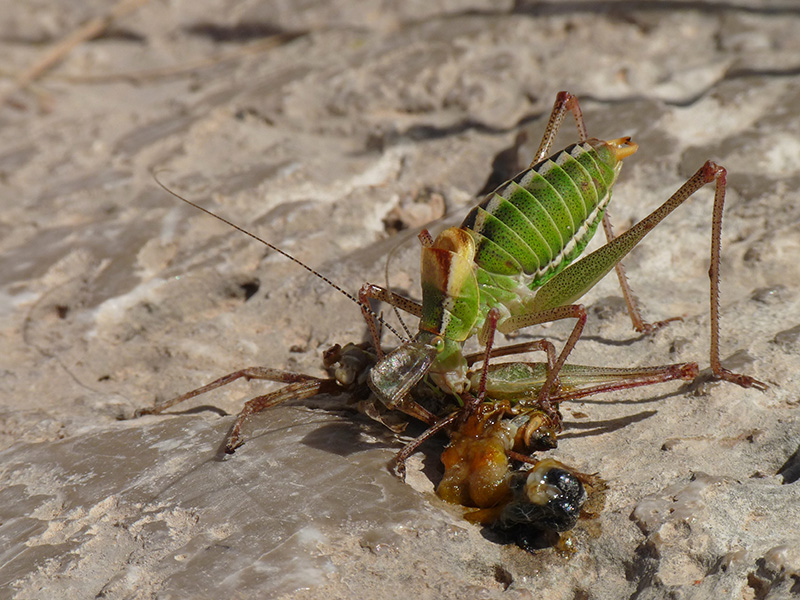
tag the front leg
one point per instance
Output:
(369, 292)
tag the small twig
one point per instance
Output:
(185, 68)
(57, 52)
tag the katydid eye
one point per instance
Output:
(438, 343)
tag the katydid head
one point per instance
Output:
(613, 152)
(348, 364)
(622, 147)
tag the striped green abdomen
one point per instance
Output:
(533, 226)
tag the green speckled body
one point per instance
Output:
(533, 226)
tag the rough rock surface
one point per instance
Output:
(360, 118)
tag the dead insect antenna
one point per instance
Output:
(338, 288)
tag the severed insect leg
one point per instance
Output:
(295, 391)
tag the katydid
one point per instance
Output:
(510, 264)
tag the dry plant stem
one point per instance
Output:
(56, 53)
(187, 68)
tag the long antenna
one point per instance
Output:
(279, 251)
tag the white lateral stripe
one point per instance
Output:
(573, 242)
